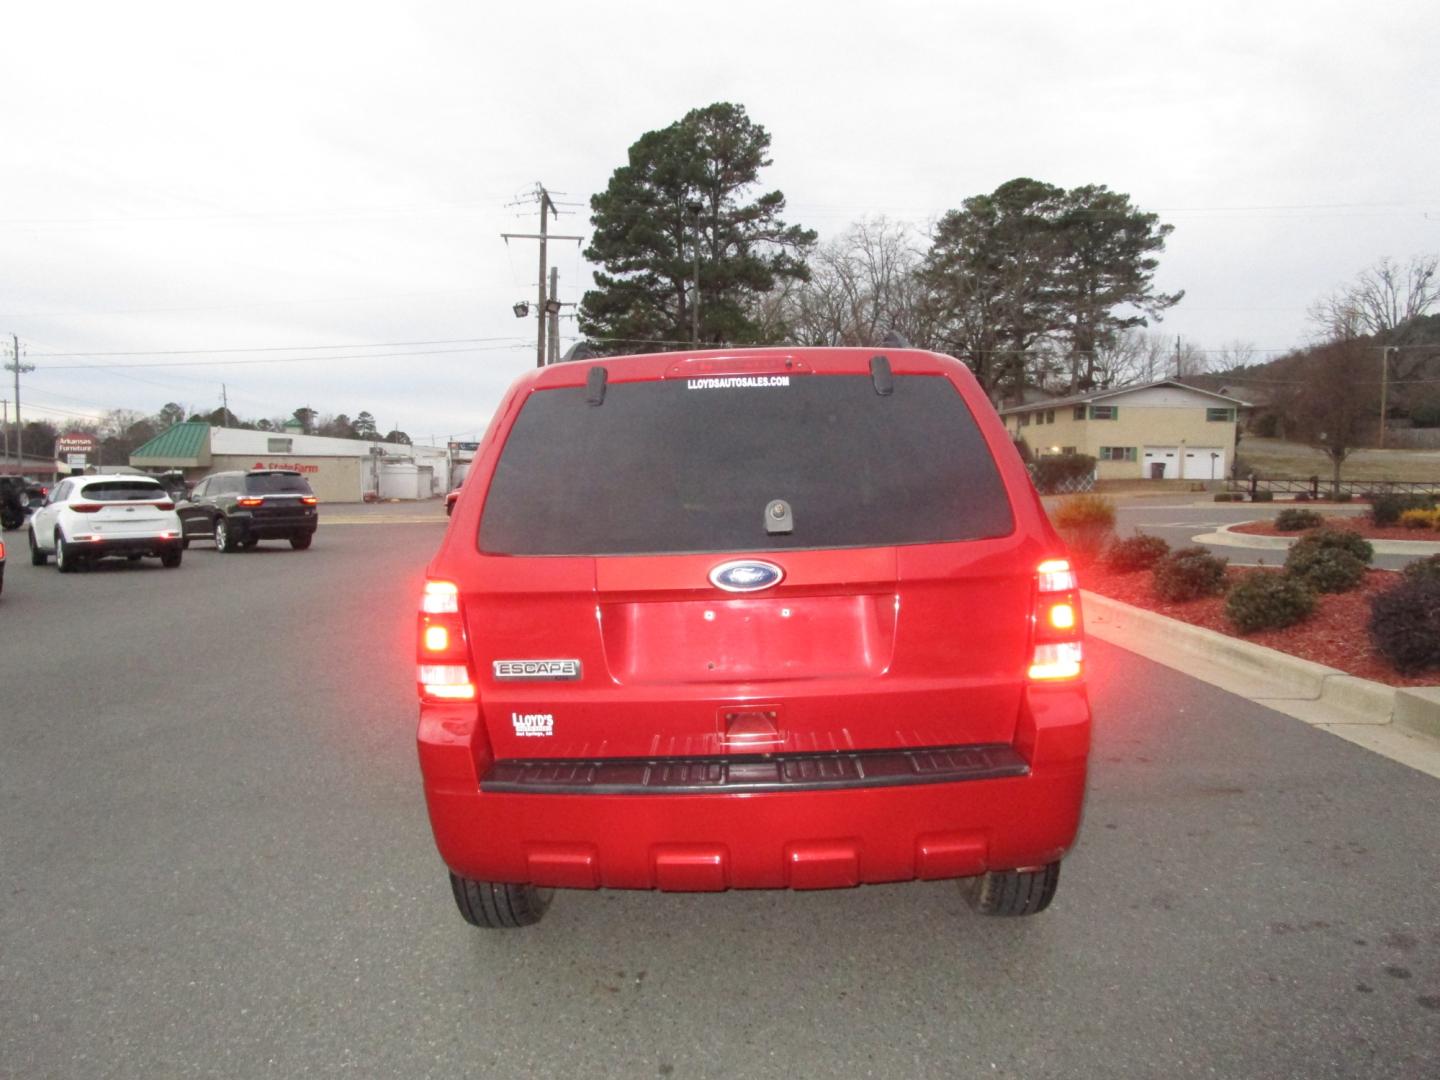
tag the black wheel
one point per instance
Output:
(64, 558)
(37, 557)
(496, 905)
(185, 544)
(301, 541)
(250, 542)
(1013, 892)
(223, 539)
(171, 558)
(133, 558)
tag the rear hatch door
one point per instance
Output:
(115, 509)
(751, 564)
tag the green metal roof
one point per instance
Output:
(182, 443)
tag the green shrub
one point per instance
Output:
(1426, 569)
(1263, 496)
(1262, 601)
(1136, 553)
(1326, 570)
(1051, 470)
(1340, 539)
(1188, 574)
(1405, 625)
(1295, 520)
(1386, 507)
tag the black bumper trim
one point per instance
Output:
(742, 774)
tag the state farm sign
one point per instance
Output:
(292, 468)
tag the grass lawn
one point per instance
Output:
(1276, 457)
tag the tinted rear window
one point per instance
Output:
(275, 483)
(670, 467)
(123, 491)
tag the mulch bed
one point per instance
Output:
(1334, 635)
(1361, 525)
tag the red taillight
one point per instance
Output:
(2, 549)
(1058, 653)
(164, 506)
(85, 508)
(442, 652)
(308, 500)
(249, 500)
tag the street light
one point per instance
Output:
(521, 309)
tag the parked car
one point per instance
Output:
(239, 509)
(19, 497)
(761, 619)
(96, 517)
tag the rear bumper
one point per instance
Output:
(273, 529)
(821, 837)
(125, 545)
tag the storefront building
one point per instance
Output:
(339, 470)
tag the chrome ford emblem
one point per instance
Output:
(746, 575)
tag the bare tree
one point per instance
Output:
(1336, 402)
(862, 285)
(1231, 356)
(1381, 298)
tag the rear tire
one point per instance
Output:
(37, 557)
(64, 559)
(496, 905)
(223, 540)
(301, 541)
(1013, 892)
(171, 558)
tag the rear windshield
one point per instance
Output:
(691, 465)
(276, 483)
(123, 491)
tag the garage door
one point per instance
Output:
(1204, 463)
(1161, 463)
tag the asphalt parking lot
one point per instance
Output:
(216, 862)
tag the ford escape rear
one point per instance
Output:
(762, 619)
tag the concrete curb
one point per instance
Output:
(1225, 538)
(1401, 723)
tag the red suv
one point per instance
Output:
(753, 619)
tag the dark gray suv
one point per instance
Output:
(239, 509)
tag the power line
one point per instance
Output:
(277, 359)
(281, 348)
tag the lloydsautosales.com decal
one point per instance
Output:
(731, 382)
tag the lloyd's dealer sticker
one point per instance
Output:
(533, 724)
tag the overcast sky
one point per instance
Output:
(322, 181)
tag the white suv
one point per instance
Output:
(93, 517)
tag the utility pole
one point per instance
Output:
(5, 425)
(1385, 352)
(695, 209)
(552, 315)
(547, 205)
(1178, 370)
(224, 406)
(18, 368)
